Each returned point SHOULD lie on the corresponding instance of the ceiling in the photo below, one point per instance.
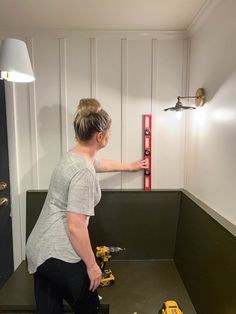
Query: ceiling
(99, 14)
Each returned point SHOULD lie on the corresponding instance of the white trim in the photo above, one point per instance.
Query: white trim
(214, 214)
(99, 34)
(124, 106)
(13, 149)
(154, 74)
(63, 96)
(185, 67)
(33, 122)
(153, 109)
(201, 16)
(93, 69)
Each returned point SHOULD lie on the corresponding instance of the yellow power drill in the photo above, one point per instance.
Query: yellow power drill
(170, 307)
(103, 255)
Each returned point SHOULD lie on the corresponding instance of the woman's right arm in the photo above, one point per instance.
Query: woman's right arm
(79, 237)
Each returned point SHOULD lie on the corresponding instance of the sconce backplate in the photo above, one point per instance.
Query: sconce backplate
(200, 100)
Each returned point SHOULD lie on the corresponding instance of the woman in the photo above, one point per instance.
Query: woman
(58, 250)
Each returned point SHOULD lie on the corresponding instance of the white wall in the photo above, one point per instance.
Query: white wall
(211, 131)
(131, 73)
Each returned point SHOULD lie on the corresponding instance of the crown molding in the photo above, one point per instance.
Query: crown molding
(206, 9)
(99, 34)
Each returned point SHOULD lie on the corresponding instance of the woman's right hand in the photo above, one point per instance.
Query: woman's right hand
(95, 276)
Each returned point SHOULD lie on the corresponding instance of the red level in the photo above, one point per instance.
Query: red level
(147, 133)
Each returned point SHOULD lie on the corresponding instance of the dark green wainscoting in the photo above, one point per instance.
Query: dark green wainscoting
(205, 257)
(144, 223)
(34, 204)
(165, 225)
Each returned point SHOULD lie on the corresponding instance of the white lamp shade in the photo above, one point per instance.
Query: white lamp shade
(15, 63)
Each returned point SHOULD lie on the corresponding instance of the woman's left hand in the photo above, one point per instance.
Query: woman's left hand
(139, 165)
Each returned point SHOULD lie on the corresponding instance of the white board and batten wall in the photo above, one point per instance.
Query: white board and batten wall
(130, 73)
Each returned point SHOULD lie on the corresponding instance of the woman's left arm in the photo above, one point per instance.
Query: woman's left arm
(105, 165)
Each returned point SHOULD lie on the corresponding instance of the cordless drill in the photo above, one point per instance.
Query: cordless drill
(103, 255)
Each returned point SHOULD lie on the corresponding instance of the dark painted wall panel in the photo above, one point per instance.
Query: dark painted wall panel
(144, 223)
(206, 259)
(34, 204)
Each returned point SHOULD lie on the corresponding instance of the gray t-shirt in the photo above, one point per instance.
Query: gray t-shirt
(74, 187)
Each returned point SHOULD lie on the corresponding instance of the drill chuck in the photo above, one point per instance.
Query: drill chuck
(114, 249)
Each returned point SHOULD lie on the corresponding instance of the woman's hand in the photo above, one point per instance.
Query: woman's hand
(139, 165)
(95, 276)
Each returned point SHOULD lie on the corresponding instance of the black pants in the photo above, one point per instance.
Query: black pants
(56, 280)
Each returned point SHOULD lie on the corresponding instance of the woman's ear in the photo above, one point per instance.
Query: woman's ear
(99, 137)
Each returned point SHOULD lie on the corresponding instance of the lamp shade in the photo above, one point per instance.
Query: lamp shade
(15, 63)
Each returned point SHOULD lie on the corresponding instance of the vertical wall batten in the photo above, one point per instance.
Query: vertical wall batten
(16, 140)
(19, 201)
(13, 147)
(93, 64)
(17, 169)
(63, 96)
(154, 74)
(33, 122)
(124, 103)
(154, 104)
(185, 67)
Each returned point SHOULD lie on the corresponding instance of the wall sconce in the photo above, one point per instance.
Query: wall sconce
(15, 65)
(179, 107)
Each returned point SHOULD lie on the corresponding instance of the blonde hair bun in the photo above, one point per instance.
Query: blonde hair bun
(88, 106)
(90, 118)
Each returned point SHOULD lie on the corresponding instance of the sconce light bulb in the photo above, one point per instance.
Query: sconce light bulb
(179, 115)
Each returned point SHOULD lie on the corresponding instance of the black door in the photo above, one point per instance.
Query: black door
(6, 247)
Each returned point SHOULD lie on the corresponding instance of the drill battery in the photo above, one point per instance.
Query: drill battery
(170, 307)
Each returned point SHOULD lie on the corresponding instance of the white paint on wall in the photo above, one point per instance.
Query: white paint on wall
(48, 106)
(211, 134)
(130, 73)
(78, 62)
(109, 94)
(138, 102)
(168, 139)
